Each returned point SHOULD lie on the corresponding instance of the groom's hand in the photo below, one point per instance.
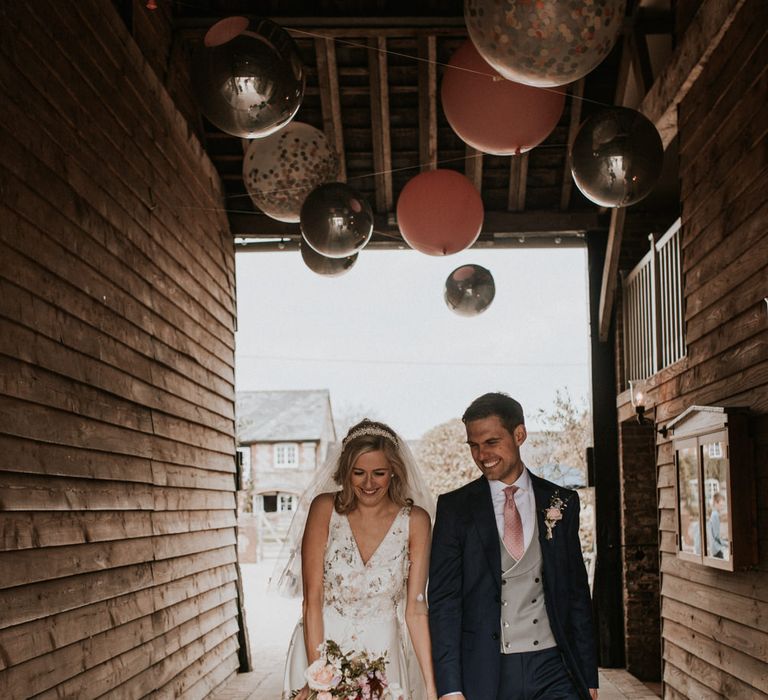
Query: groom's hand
(452, 696)
(593, 693)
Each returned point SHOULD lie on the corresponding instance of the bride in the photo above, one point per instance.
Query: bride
(364, 558)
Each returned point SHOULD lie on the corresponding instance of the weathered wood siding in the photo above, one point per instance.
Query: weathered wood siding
(117, 503)
(715, 623)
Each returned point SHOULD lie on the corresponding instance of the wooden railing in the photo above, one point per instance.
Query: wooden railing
(653, 308)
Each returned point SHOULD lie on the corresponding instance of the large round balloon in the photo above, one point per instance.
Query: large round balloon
(547, 42)
(279, 171)
(335, 220)
(439, 212)
(616, 157)
(469, 290)
(323, 265)
(248, 77)
(492, 114)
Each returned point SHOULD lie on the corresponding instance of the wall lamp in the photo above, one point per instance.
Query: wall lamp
(637, 396)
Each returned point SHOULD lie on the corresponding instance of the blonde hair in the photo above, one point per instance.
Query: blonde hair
(370, 436)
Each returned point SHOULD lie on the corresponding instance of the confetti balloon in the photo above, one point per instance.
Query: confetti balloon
(469, 290)
(279, 171)
(323, 265)
(335, 220)
(617, 157)
(248, 77)
(547, 42)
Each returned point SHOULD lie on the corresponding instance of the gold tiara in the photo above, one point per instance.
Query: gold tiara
(369, 430)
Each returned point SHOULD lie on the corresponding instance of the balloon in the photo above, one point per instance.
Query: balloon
(279, 171)
(492, 114)
(616, 157)
(335, 220)
(439, 212)
(469, 290)
(546, 42)
(248, 77)
(323, 265)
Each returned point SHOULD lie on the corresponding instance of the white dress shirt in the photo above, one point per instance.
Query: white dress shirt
(524, 500)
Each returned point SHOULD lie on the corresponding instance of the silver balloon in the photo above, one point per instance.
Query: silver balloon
(617, 157)
(248, 77)
(323, 265)
(469, 290)
(335, 220)
(547, 42)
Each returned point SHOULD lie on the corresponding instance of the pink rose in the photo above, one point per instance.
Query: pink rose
(322, 676)
(554, 514)
(324, 695)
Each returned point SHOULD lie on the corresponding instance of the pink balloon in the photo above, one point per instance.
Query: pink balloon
(439, 212)
(493, 114)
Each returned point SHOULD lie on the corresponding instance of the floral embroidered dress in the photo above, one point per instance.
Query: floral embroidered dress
(363, 605)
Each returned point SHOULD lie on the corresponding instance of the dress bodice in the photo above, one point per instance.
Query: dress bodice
(372, 590)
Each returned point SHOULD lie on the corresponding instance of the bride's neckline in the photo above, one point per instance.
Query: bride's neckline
(381, 541)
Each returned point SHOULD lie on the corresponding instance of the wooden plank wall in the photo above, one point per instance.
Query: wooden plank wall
(715, 623)
(117, 492)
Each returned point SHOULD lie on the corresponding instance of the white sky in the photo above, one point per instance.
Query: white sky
(384, 343)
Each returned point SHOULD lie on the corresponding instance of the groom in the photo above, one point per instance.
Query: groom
(509, 604)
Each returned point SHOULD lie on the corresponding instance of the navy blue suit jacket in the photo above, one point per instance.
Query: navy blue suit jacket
(465, 590)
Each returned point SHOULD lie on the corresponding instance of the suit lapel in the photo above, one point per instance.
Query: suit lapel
(542, 495)
(481, 507)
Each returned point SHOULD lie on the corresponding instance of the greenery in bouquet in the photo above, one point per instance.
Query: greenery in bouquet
(348, 676)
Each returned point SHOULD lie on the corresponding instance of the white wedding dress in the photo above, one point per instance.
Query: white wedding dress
(363, 605)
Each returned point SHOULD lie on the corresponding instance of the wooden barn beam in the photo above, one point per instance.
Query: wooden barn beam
(659, 104)
(495, 223)
(518, 176)
(641, 60)
(701, 38)
(577, 92)
(382, 143)
(330, 99)
(610, 271)
(428, 102)
(473, 167)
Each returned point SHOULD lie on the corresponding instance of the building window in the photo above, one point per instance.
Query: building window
(287, 503)
(270, 502)
(287, 455)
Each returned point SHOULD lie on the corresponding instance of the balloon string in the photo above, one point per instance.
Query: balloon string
(441, 161)
(494, 76)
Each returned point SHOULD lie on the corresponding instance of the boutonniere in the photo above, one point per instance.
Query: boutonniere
(554, 513)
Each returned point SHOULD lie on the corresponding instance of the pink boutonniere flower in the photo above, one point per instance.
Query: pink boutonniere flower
(554, 513)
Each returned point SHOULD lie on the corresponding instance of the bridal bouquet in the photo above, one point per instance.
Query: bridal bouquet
(348, 676)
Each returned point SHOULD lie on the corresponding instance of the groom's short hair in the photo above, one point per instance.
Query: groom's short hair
(496, 403)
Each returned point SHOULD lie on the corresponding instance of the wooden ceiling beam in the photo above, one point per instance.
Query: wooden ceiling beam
(577, 93)
(330, 99)
(610, 271)
(701, 38)
(518, 177)
(495, 223)
(428, 102)
(473, 167)
(382, 142)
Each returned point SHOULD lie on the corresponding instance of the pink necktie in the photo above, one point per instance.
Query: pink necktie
(513, 525)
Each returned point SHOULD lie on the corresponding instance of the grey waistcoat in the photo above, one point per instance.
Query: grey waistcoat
(524, 621)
